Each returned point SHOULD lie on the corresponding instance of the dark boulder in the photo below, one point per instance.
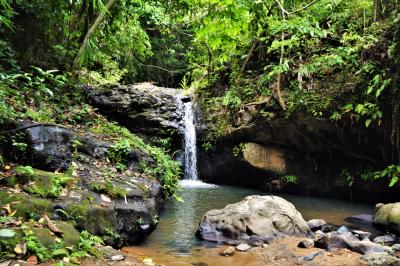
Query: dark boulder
(46, 147)
(142, 108)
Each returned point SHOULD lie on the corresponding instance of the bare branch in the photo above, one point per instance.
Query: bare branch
(295, 11)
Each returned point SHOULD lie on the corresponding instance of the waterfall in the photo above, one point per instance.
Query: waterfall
(189, 130)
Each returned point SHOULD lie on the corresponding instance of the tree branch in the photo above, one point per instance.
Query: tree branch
(161, 68)
(78, 59)
(295, 11)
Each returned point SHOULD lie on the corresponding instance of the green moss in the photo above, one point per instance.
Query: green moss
(109, 188)
(92, 217)
(26, 206)
(42, 183)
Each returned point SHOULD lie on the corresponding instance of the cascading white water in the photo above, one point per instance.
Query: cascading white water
(190, 142)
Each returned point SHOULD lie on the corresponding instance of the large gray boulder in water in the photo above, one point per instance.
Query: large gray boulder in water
(254, 219)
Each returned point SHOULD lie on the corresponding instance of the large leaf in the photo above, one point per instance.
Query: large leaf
(7, 233)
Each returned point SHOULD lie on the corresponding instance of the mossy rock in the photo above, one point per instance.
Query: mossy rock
(42, 183)
(26, 206)
(92, 217)
(388, 217)
(70, 235)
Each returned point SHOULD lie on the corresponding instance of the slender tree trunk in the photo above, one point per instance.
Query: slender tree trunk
(78, 59)
(248, 56)
(279, 81)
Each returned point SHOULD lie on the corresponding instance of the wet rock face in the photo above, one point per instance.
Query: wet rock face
(266, 217)
(49, 147)
(266, 158)
(143, 108)
(44, 146)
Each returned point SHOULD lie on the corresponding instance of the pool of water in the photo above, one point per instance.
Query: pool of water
(174, 241)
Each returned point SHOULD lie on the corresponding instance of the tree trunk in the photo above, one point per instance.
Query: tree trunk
(78, 59)
(279, 81)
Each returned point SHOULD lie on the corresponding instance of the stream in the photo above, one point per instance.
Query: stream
(174, 241)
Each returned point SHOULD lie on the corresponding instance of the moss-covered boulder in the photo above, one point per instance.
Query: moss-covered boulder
(387, 216)
(41, 235)
(42, 183)
(26, 206)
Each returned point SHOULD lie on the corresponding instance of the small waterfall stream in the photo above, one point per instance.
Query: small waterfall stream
(190, 142)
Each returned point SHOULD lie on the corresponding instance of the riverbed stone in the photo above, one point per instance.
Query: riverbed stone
(268, 217)
(230, 251)
(378, 259)
(342, 230)
(361, 234)
(331, 241)
(386, 240)
(311, 256)
(243, 247)
(395, 247)
(328, 228)
(318, 234)
(316, 224)
(363, 219)
(366, 247)
(387, 216)
(306, 243)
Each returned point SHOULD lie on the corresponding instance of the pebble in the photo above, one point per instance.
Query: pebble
(117, 257)
(386, 240)
(396, 247)
(228, 252)
(311, 256)
(243, 247)
(306, 243)
(342, 230)
(316, 224)
(361, 234)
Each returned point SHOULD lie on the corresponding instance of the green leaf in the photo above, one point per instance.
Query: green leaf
(393, 181)
(368, 122)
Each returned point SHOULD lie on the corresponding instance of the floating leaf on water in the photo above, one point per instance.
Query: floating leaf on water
(7, 233)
